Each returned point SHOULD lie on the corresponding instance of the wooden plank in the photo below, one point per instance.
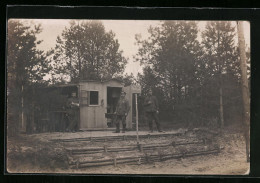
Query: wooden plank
(109, 138)
(140, 147)
(143, 159)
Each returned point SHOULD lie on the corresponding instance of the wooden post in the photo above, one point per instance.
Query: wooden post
(23, 126)
(139, 161)
(136, 116)
(140, 147)
(105, 148)
(77, 164)
(35, 154)
(115, 162)
(244, 86)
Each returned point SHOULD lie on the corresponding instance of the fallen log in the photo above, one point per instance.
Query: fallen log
(142, 159)
(93, 150)
(124, 137)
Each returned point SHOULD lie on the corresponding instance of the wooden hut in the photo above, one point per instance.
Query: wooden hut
(98, 101)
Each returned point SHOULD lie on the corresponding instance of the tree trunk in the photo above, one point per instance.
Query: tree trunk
(244, 87)
(79, 58)
(221, 115)
(23, 125)
(221, 106)
(33, 111)
(11, 112)
(80, 72)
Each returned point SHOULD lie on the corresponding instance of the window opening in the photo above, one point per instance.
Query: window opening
(93, 95)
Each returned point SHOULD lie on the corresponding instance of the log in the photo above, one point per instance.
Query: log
(110, 138)
(140, 147)
(143, 159)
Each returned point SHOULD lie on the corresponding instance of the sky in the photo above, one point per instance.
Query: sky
(125, 31)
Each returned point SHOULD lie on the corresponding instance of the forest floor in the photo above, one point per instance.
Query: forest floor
(39, 153)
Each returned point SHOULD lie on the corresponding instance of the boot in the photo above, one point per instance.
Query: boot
(117, 129)
(151, 127)
(158, 126)
(124, 128)
(159, 129)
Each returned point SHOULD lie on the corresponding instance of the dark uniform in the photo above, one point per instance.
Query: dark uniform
(151, 109)
(122, 110)
(73, 113)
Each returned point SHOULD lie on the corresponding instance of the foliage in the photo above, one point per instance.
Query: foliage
(24, 61)
(86, 51)
(186, 72)
(221, 67)
(127, 79)
(170, 54)
(26, 67)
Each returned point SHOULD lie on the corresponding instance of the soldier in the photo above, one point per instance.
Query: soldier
(73, 113)
(121, 112)
(151, 109)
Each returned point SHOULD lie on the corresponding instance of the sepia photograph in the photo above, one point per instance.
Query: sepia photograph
(142, 97)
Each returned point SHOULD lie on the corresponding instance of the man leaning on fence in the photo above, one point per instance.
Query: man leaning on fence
(151, 108)
(121, 112)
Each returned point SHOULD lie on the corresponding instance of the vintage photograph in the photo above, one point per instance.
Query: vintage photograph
(128, 97)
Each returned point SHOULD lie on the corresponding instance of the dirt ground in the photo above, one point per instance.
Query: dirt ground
(38, 154)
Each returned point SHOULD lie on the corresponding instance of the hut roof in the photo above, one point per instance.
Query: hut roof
(103, 81)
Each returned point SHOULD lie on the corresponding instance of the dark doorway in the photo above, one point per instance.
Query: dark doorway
(113, 94)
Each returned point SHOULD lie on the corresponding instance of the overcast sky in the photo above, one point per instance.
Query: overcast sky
(125, 31)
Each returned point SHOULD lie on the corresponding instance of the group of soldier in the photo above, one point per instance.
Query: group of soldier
(151, 109)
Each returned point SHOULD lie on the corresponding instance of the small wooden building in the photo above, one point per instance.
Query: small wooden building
(98, 101)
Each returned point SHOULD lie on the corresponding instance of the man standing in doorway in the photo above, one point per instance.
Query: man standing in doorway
(121, 112)
(151, 109)
(73, 112)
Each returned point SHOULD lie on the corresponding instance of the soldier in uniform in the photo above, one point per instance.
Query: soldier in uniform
(73, 113)
(121, 112)
(151, 109)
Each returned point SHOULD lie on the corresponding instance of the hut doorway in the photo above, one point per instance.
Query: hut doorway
(113, 95)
